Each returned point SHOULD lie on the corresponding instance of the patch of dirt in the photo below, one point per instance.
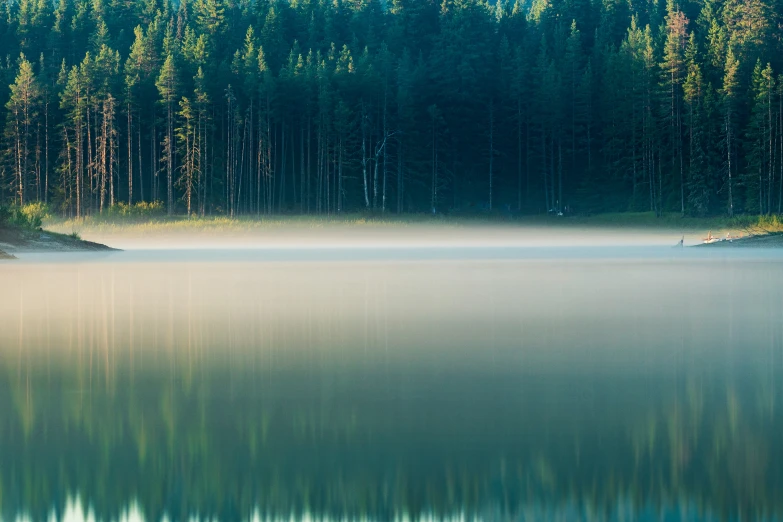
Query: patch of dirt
(14, 239)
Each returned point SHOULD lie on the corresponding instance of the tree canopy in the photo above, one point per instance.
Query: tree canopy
(305, 106)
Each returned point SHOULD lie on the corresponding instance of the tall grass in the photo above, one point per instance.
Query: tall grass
(151, 217)
(144, 217)
(757, 225)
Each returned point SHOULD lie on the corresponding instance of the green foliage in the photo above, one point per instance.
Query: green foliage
(324, 107)
(770, 224)
(30, 216)
(141, 210)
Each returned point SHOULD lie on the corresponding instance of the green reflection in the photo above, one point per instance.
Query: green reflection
(353, 399)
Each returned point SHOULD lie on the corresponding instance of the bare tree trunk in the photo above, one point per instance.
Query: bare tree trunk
(491, 147)
(79, 163)
(340, 176)
(250, 156)
(102, 151)
(434, 188)
(327, 176)
(68, 163)
(46, 150)
(375, 176)
(258, 173)
(728, 157)
(544, 168)
(780, 149)
(25, 152)
(559, 174)
(130, 155)
(385, 164)
(302, 171)
(682, 167)
(112, 159)
(141, 170)
(153, 160)
(283, 157)
(364, 158)
(292, 146)
(170, 159)
(241, 166)
(527, 161)
(519, 153)
(38, 162)
(400, 186)
(771, 168)
(319, 167)
(90, 160)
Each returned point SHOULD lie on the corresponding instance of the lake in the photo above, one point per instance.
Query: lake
(400, 384)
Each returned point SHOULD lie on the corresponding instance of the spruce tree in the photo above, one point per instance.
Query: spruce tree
(167, 89)
(21, 119)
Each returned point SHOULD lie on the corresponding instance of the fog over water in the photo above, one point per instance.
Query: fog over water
(476, 377)
(377, 235)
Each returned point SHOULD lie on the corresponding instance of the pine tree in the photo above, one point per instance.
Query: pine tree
(22, 107)
(573, 64)
(729, 94)
(167, 89)
(323, 106)
(693, 93)
(73, 100)
(759, 139)
(106, 69)
(188, 151)
(202, 126)
(672, 74)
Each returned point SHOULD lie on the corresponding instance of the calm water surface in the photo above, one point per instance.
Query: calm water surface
(499, 385)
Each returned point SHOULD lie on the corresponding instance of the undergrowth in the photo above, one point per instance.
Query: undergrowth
(142, 218)
(30, 216)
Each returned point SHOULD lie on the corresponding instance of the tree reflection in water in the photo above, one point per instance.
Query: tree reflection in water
(341, 392)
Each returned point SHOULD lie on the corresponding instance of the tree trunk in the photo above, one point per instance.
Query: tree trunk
(491, 147)
(46, 151)
(364, 159)
(400, 186)
(728, 158)
(340, 176)
(519, 153)
(130, 155)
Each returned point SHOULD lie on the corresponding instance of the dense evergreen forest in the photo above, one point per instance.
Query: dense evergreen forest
(454, 106)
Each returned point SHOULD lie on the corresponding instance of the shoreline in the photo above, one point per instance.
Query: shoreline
(764, 240)
(378, 231)
(15, 240)
(639, 229)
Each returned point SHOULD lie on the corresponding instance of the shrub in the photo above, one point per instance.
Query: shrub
(31, 215)
(137, 210)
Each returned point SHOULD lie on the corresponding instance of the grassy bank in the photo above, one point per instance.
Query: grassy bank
(21, 231)
(157, 222)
